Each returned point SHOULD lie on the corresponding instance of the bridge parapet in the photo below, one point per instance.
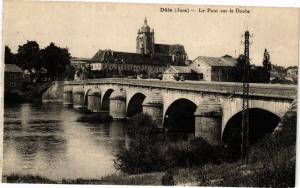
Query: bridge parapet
(279, 91)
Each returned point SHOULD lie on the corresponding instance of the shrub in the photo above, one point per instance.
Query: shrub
(276, 154)
(142, 125)
(142, 156)
(283, 176)
(147, 152)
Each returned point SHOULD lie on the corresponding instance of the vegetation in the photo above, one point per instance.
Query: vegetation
(271, 160)
(50, 62)
(122, 179)
(150, 152)
(194, 162)
(257, 74)
(17, 178)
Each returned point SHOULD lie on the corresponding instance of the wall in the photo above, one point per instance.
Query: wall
(203, 68)
(54, 93)
(13, 81)
(124, 70)
(223, 74)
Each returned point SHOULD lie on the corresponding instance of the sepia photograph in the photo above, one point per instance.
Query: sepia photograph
(149, 94)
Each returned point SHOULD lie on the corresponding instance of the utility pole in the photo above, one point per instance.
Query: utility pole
(245, 112)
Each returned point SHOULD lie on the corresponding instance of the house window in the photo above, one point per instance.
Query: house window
(12, 84)
(12, 76)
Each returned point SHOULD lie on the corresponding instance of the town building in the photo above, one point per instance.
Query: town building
(292, 71)
(221, 69)
(292, 74)
(13, 78)
(181, 73)
(149, 60)
(78, 62)
(154, 60)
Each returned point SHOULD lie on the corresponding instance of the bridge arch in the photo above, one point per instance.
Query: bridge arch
(261, 122)
(135, 104)
(86, 96)
(234, 106)
(105, 100)
(179, 116)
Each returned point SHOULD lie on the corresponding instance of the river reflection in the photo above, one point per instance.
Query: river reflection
(46, 140)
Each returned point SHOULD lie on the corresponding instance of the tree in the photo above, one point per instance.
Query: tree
(28, 56)
(55, 60)
(267, 66)
(9, 56)
(69, 73)
(239, 68)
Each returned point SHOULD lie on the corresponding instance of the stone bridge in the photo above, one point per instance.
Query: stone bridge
(210, 109)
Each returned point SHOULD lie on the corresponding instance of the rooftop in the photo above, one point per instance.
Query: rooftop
(169, 48)
(80, 59)
(130, 58)
(225, 61)
(179, 69)
(12, 68)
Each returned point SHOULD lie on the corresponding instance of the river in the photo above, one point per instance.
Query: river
(46, 140)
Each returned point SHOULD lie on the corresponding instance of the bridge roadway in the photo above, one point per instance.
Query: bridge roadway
(210, 109)
(279, 91)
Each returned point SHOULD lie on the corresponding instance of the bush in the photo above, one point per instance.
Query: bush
(193, 152)
(142, 125)
(143, 154)
(283, 176)
(147, 152)
(275, 154)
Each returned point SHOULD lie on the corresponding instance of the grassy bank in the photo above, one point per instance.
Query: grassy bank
(20, 178)
(226, 174)
(141, 179)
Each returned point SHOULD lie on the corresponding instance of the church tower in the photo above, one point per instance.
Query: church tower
(145, 40)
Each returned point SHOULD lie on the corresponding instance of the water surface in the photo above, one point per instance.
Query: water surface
(46, 140)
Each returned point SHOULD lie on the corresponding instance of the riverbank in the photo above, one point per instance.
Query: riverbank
(30, 93)
(226, 174)
(271, 164)
(141, 179)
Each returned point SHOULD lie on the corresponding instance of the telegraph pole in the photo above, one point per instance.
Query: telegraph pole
(245, 112)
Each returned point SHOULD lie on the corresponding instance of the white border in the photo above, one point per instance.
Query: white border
(262, 3)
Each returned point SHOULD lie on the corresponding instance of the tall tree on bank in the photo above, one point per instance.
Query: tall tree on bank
(267, 66)
(55, 60)
(28, 56)
(9, 57)
(239, 68)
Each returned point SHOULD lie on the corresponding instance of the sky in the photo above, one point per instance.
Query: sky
(84, 28)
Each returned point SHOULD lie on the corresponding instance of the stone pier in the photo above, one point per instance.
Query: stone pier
(153, 106)
(208, 121)
(78, 97)
(68, 96)
(94, 101)
(117, 104)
